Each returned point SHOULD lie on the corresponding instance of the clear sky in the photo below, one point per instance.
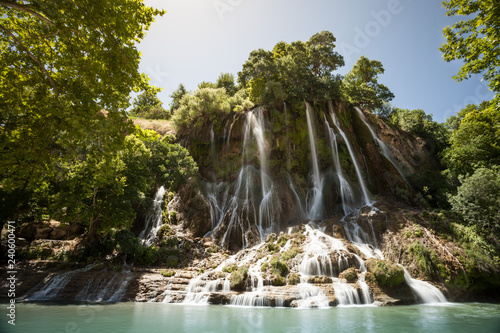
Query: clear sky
(196, 40)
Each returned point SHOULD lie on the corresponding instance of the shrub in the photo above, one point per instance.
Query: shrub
(478, 199)
(238, 278)
(278, 267)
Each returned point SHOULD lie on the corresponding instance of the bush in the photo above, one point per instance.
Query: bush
(238, 278)
(127, 242)
(478, 199)
(278, 267)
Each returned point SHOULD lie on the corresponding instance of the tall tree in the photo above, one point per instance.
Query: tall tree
(361, 86)
(63, 62)
(148, 105)
(475, 40)
(176, 96)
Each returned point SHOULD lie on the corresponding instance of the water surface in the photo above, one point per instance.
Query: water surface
(158, 317)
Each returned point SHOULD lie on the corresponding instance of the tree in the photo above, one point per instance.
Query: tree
(360, 86)
(475, 40)
(476, 142)
(226, 81)
(176, 96)
(477, 199)
(148, 105)
(297, 70)
(62, 63)
(204, 105)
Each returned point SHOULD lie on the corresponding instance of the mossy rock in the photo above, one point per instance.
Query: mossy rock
(386, 273)
(293, 279)
(278, 267)
(278, 281)
(271, 238)
(239, 278)
(349, 274)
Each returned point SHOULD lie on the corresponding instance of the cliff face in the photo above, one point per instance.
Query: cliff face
(272, 170)
(266, 170)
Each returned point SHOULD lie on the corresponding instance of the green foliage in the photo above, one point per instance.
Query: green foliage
(147, 105)
(423, 257)
(360, 86)
(238, 278)
(205, 105)
(476, 142)
(226, 81)
(176, 96)
(475, 39)
(478, 199)
(62, 64)
(297, 70)
(350, 275)
(273, 248)
(170, 164)
(290, 253)
(127, 242)
(278, 267)
(293, 279)
(167, 273)
(385, 272)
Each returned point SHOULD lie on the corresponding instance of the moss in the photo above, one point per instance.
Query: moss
(283, 239)
(230, 268)
(278, 267)
(349, 274)
(386, 273)
(290, 253)
(293, 279)
(167, 273)
(273, 248)
(238, 278)
(423, 257)
(164, 231)
(271, 238)
(278, 281)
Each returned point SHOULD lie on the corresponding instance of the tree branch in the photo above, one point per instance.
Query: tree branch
(32, 56)
(24, 8)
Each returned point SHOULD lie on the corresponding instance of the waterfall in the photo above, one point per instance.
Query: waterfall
(367, 201)
(425, 291)
(382, 146)
(153, 219)
(52, 288)
(315, 209)
(250, 201)
(346, 192)
(317, 261)
(105, 287)
(257, 295)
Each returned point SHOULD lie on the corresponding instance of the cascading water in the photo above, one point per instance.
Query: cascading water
(346, 191)
(153, 219)
(383, 147)
(315, 209)
(250, 201)
(361, 180)
(425, 291)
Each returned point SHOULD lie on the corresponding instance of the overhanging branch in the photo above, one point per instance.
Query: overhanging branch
(32, 56)
(24, 8)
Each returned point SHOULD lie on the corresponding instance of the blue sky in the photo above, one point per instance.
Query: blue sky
(196, 40)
